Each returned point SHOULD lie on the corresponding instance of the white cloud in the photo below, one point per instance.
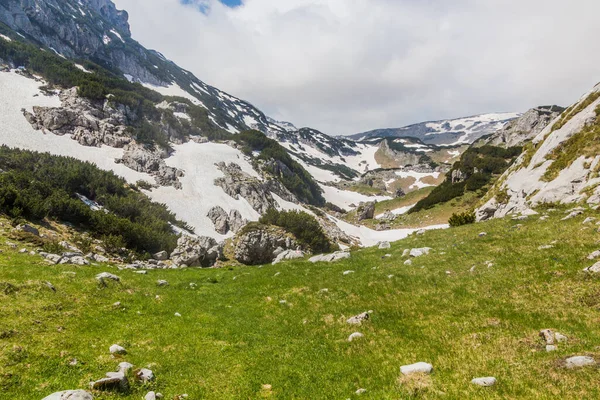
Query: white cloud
(345, 66)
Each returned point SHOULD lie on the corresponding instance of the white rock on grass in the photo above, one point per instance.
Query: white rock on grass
(545, 247)
(420, 367)
(153, 396)
(70, 395)
(551, 347)
(116, 349)
(408, 262)
(354, 336)
(124, 367)
(485, 381)
(107, 276)
(384, 245)
(572, 215)
(162, 282)
(145, 375)
(347, 272)
(358, 319)
(560, 338)
(406, 252)
(547, 335)
(482, 234)
(338, 255)
(588, 220)
(579, 361)
(288, 255)
(419, 251)
(594, 269)
(593, 255)
(361, 391)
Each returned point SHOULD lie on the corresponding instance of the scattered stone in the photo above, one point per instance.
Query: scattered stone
(408, 262)
(588, 220)
(594, 269)
(387, 255)
(579, 361)
(113, 381)
(361, 391)
(420, 367)
(358, 319)
(142, 272)
(288, 255)
(572, 214)
(547, 335)
(347, 272)
(390, 276)
(50, 286)
(551, 347)
(384, 245)
(117, 304)
(150, 396)
(419, 252)
(101, 277)
(338, 255)
(23, 251)
(485, 382)
(472, 269)
(177, 314)
(70, 395)
(324, 290)
(28, 228)
(593, 255)
(366, 211)
(116, 349)
(161, 256)
(421, 232)
(144, 375)
(545, 247)
(162, 282)
(482, 234)
(560, 338)
(354, 336)
(99, 258)
(448, 272)
(277, 273)
(73, 362)
(406, 253)
(124, 367)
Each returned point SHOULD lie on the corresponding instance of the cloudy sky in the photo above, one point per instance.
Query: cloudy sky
(346, 66)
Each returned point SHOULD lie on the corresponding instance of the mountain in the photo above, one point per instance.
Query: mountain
(446, 132)
(559, 166)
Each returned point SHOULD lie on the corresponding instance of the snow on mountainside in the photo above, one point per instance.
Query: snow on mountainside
(93, 30)
(446, 132)
(560, 165)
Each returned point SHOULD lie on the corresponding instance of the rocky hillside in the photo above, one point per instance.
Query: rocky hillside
(560, 165)
(446, 132)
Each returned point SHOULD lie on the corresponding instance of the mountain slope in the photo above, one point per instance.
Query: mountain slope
(446, 132)
(560, 165)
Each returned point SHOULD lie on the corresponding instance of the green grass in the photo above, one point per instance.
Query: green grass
(234, 335)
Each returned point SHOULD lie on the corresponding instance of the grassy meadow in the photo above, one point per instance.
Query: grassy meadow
(274, 332)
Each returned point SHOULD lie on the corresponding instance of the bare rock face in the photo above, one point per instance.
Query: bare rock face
(143, 159)
(260, 245)
(366, 210)
(196, 252)
(226, 222)
(70, 395)
(526, 127)
(236, 183)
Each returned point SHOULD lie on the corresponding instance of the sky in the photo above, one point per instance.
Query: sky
(348, 66)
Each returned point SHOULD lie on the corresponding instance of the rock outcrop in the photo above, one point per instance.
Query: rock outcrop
(224, 222)
(236, 183)
(143, 159)
(535, 179)
(259, 244)
(196, 252)
(366, 210)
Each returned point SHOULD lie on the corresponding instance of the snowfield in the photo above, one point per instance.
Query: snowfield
(199, 193)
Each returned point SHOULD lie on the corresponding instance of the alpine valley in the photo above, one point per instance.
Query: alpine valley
(116, 159)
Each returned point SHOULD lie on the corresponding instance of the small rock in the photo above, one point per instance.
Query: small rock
(420, 367)
(572, 214)
(29, 229)
(107, 276)
(117, 304)
(482, 234)
(406, 252)
(361, 391)
(593, 255)
(579, 361)
(547, 335)
(145, 375)
(116, 349)
(354, 336)
(124, 367)
(560, 338)
(419, 252)
(113, 381)
(551, 347)
(588, 220)
(545, 247)
(50, 286)
(70, 395)
(162, 282)
(384, 245)
(594, 269)
(142, 272)
(408, 262)
(150, 396)
(347, 272)
(420, 232)
(161, 256)
(177, 314)
(358, 319)
(23, 251)
(485, 382)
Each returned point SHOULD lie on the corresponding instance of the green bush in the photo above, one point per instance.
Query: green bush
(465, 218)
(303, 226)
(291, 174)
(38, 185)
